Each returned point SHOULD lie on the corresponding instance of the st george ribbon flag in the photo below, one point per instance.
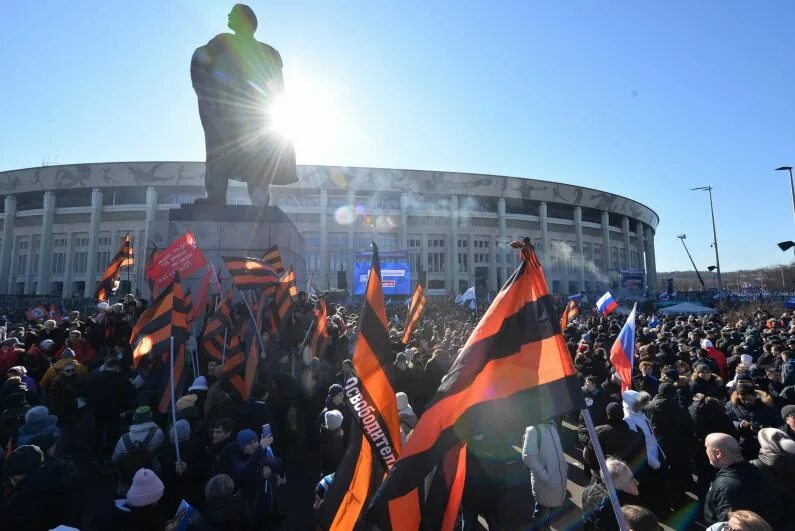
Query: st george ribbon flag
(514, 370)
(622, 353)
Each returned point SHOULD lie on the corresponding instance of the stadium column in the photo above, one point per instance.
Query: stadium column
(502, 248)
(471, 261)
(351, 250)
(452, 274)
(627, 262)
(578, 239)
(542, 221)
(651, 265)
(323, 281)
(93, 242)
(607, 262)
(66, 291)
(142, 251)
(641, 250)
(8, 243)
(45, 246)
(404, 221)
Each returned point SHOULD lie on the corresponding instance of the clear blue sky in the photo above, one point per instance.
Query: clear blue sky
(645, 99)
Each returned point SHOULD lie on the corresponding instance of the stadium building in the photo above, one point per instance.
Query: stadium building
(61, 225)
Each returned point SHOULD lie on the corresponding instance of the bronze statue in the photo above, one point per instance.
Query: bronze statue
(236, 78)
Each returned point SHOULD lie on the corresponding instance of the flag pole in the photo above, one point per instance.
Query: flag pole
(223, 352)
(173, 399)
(256, 326)
(600, 456)
(196, 372)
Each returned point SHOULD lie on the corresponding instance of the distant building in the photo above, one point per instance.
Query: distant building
(61, 224)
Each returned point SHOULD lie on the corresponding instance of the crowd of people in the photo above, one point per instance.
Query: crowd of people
(706, 429)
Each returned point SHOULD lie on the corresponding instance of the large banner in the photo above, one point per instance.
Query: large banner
(182, 255)
(632, 280)
(395, 272)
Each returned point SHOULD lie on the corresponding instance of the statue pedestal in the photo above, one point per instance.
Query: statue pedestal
(234, 230)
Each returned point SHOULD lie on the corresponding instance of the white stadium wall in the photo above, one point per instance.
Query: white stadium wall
(62, 223)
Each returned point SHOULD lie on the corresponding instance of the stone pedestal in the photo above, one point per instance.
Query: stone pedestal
(234, 230)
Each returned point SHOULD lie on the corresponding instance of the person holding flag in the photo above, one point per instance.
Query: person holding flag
(622, 353)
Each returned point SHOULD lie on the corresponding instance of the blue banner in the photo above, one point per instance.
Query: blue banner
(395, 272)
(632, 280)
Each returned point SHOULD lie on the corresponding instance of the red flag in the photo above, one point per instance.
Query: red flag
(183, 256)
(201, 297)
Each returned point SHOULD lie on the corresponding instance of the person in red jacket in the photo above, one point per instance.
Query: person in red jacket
(10, 354)
(718, 357)
(84, 351)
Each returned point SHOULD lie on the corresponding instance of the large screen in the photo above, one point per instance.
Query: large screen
(395, 272)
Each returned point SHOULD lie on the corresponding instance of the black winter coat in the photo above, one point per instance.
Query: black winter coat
(223, 513)
(597, 512)
(738, 486)
(779, 472)
(673, 428)
(619, 441)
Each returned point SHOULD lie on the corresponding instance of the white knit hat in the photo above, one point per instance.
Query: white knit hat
(146, 489)
(746, 358)
(333, 419)
(402, 400)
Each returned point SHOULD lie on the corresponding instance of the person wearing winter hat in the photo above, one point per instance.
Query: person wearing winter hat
(334, 401)
(224, 507)
(199, 384)
(38, 421)
(406, 416)
(332, 441)
(776, 461)
(21, 372)
(140, 508)
(143, 432)
(21, 462)
(253, 462)
(67, 358)
(183, 477)
(788, 414)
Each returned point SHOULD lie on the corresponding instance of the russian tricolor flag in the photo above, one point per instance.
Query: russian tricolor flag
(622, 353)
(606, 304)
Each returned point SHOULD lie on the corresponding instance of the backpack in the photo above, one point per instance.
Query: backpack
(137, 455)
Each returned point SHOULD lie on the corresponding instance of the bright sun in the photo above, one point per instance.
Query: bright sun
(304, 114)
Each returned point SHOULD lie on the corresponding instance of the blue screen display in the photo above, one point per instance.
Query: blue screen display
(395, 272)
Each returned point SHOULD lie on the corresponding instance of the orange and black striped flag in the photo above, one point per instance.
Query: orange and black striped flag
(319, 339)
(221, 318)
(212, 348)
(415, 312)
(187, 304)
(444, 490)
(252, 345)
(174, 378)
(375, 444)
(284, 298)
(150, 337)
(251, 273)
(150, 260)
(110, 278)
(234, 370)
(514, 370)
(572, 310)
(273, 258)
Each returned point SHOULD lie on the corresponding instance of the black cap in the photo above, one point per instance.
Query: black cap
(615, 411)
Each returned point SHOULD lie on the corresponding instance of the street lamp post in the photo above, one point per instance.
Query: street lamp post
(791, 185)
(708, 189)
(682, 238)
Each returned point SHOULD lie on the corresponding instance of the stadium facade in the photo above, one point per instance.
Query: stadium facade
(61, 224)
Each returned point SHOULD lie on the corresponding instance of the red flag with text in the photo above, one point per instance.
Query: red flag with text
(183, 256)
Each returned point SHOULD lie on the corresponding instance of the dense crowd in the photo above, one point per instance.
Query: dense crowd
(706, 431)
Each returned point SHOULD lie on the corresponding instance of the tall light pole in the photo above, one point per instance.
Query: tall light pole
(708, 189)
(682, 238)
(791, 185)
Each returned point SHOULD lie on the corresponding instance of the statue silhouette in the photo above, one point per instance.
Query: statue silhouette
(236, 78)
